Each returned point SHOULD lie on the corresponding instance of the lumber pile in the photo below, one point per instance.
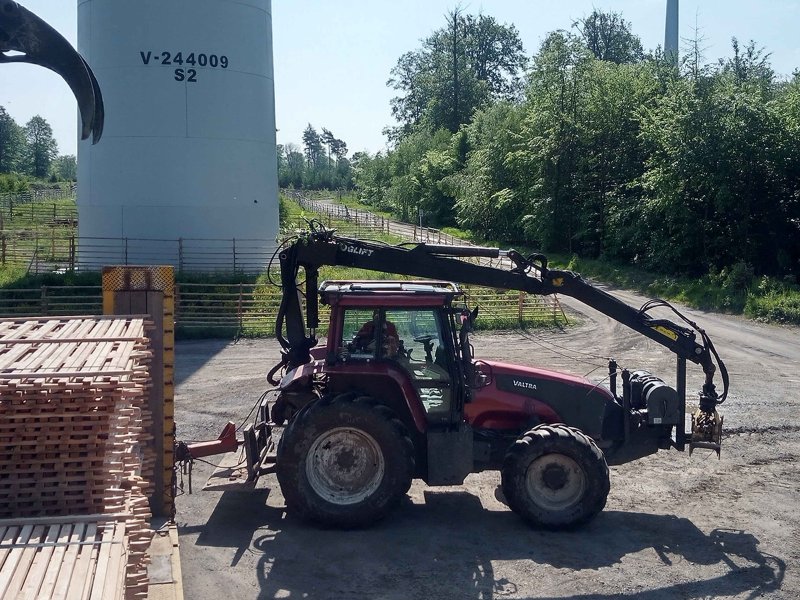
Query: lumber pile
(79, 558)
(73, 427)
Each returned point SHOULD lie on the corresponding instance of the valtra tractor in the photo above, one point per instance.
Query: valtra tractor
(396, 392)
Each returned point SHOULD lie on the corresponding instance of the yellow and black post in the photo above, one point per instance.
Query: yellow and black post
(150, 290)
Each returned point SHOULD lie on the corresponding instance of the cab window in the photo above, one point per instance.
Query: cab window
(358, 333)
(422, 354)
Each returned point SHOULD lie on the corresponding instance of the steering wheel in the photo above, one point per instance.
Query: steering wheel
(427, 342)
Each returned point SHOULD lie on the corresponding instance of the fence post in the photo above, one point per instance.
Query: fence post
(520, 306)
(44, 300)
(180, 254)
(3, 246)
(234, 255)
(72, 252)
(36, 253)
(241, 317)
(177, 308)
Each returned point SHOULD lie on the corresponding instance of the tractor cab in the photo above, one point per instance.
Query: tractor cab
(408, 330)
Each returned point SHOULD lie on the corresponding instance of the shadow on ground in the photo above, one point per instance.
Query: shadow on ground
(192, 355)
(446, 549)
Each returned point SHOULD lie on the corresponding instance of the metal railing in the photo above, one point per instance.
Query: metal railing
(51, 301)
(249, 308)
(57, 250)
(38, 195)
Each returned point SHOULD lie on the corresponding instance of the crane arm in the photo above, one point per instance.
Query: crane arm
(25, 38)
(528, 274)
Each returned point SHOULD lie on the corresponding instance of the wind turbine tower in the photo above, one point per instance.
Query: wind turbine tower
(671, 31)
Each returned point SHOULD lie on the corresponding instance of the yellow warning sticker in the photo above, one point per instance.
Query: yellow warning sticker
(667, 332)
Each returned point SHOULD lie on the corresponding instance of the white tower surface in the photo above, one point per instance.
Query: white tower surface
(671, 31)
(188, 151)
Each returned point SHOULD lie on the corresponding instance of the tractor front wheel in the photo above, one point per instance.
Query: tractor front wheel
(555, 477)
(344, 461)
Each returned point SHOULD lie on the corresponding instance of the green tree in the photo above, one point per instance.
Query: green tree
(713, 176)
(551, 134)
(461, 67)
(488, 200)
(41, 149)
(11, 143)
(312, 144)
(295, 166)
(65, 167)
(609, 37)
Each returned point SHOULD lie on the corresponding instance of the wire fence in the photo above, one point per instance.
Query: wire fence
(250, 309)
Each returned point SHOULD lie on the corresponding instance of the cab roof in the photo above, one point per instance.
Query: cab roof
(380, 288)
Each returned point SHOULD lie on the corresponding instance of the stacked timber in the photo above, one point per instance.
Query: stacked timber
(73, 429)
(63, 558)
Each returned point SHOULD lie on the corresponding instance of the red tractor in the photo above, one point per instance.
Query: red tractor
(396, 393)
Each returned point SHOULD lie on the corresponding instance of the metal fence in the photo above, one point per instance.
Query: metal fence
(250, 309)
(59, 250)
(38, 195)
(51, 245)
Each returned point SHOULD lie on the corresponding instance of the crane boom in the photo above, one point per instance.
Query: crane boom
(320, 247)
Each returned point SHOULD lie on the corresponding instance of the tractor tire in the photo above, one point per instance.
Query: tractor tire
(555, 477)
(344, 461)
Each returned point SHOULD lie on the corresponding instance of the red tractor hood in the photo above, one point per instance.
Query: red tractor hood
(515, 395)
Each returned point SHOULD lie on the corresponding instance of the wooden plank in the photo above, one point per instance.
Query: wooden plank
(65, 573)
(98, 584)
(56, 560)
(10, 565)
(121, 338)
(160, 500)
(65, 519)
(85, 567)
(130, 317)
(41, 562)
(115, 372)
(8, 536)
(115, 581)
(24, 564)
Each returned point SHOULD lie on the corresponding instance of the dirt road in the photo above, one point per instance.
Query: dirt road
(674, 526)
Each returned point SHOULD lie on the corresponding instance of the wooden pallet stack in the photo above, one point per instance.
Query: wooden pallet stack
(74, 423)
(63, 559)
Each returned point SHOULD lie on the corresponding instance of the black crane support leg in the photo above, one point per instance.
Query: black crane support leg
(680, 428)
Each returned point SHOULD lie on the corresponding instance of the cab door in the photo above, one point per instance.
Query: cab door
(421, 350)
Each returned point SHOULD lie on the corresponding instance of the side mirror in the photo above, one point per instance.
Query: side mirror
(482, 375)
(468, 318)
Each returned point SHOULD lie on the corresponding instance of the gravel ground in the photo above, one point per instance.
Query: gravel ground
(674, 526)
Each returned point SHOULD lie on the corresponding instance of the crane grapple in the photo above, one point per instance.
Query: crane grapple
(25, 38)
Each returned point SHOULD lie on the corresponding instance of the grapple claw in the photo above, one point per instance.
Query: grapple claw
(706, 431)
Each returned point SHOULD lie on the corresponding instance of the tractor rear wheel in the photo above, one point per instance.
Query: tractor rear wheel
(555, 477)
(344, 461)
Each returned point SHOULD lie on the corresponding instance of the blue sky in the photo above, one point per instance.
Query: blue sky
(332, 59)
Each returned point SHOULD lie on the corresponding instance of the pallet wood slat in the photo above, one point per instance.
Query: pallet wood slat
(74, 432)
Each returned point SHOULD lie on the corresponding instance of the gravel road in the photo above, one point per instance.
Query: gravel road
(674, 527)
